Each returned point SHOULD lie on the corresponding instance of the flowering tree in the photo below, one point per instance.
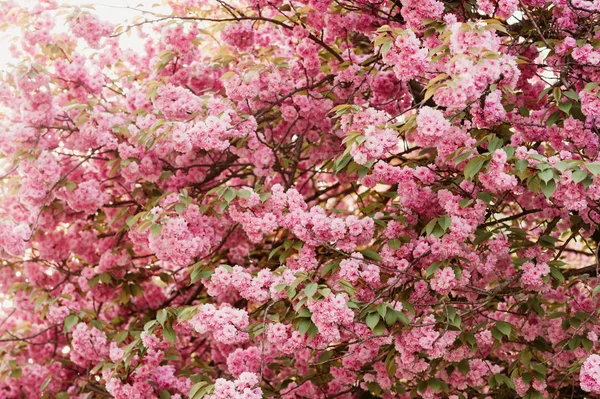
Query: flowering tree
(302, 199)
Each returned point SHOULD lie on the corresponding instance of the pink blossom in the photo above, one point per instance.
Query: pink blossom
(589, 375)
(431, 122)
(90, 28)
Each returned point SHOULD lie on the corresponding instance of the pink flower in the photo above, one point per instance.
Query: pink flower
(444, 280)
(12, 237)
(88, 346)
(589, 374)
(88, 197)
(239, 35)
(90, 28)
(176, 102)
(407, 56)
(431, 122)
(533, 273)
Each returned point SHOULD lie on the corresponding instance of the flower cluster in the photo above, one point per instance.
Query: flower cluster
(589, 376)
(89, 27)
(227, 325)
(243, 387)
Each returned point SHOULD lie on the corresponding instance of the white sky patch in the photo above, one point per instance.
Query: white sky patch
(116, 12)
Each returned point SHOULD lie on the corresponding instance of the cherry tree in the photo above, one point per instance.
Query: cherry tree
(301, 199)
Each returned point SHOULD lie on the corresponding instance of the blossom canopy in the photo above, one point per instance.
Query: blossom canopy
(301, 199)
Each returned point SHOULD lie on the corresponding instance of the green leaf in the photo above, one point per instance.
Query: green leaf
(555, 272)
(464, 367)
(553, 118)
(548, 241)
(390, 364)
(243, 193)
(169, 333)
(444, 222)
(451, 312)
(544, 92)
(435, 384)
(120, 336)
(432, 269)
(587, 344)
(98, 324)
(290, 292)
(532, 394)
(565, 106)
(594, 168)
(540, 368)
(579, 175)
(379, 328)
(198, 273)
(481, 236)
(422, 386)
(155, 229)
(561, 166)
(325, 356)
(70, 321)
(402, 317)
(229, 195)
(274, 251)
(105, 278)
(394, 244)
(379, 40)
(371, 254)
(161, 316)
(311, 289)
(385, 48)
(40, 300)
(331, 267)
(303, 326)
(372, 320)
(457, 272)
(195, 390)
(504, 327)
(494, 143)
(557, 93)
(16, 372)
(391, 317)
(524, 111)
(265, 196)
(461, 158)
(485, 197)
(572, 95)
(521, 166)
(312, 331)
(131, 220)
(428, 229)
(548, 188)
(148, 326)
(45, 384)
(473, 167)
(590, 86)
(546, 175)
(342, 162)
(465, 202)
(525, 357)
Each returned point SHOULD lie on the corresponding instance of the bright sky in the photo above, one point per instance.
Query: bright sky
(114, 11)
